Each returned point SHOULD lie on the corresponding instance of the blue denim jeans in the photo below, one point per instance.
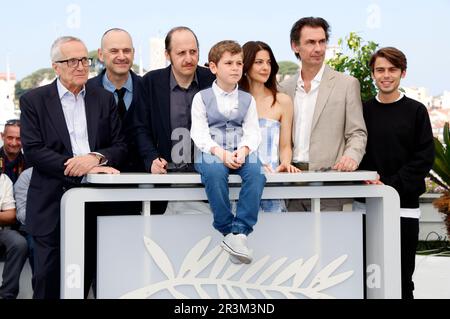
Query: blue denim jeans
(214, 176)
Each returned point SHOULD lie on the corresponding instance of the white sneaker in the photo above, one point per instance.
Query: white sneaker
(236, 246)
(235, 260)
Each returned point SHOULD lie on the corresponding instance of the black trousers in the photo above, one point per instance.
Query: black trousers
(47, 265)
(409, 232)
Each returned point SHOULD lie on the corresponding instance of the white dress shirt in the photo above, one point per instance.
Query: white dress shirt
(304, 106)
(226, 102)
(75, 115)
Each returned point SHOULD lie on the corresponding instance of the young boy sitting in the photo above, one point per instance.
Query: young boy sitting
(225, 129)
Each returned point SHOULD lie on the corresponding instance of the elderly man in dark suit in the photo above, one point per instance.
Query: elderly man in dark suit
(162, 125)
(68, 131)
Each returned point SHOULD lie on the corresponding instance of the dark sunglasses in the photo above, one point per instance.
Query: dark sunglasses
(13, 122)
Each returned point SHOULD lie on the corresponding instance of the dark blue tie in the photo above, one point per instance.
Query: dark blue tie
(121, 103)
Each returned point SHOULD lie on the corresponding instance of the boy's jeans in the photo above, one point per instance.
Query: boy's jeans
(214, 176)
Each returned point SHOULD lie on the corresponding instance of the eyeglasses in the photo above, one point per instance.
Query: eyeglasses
(73, 63)
(13, 122)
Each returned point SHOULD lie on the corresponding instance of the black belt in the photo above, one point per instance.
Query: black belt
(304, 166)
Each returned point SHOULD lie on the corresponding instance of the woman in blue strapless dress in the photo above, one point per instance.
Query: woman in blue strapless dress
(275, 111)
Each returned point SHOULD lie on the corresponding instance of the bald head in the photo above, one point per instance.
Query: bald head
(111, 34)
(116, 52)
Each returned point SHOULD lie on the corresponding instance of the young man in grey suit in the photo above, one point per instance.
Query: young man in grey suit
(328, 129)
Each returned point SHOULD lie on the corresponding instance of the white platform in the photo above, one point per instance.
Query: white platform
(194, 178)
(431, 278)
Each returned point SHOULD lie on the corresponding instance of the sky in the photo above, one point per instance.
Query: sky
(419, 28)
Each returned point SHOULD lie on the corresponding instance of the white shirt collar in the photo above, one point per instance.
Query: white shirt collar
(219, 91)
(318, 76)
(62, 90)
(399, 98)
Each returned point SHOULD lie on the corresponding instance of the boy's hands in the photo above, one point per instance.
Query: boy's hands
(241, 154)
(231, 160)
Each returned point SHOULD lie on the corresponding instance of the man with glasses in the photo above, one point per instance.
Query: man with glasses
(68, 131)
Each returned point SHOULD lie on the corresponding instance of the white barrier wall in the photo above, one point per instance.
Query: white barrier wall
(382, 237)
(296, 255)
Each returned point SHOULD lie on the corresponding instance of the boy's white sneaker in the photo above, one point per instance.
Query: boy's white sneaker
(235, 260)
(236, 245)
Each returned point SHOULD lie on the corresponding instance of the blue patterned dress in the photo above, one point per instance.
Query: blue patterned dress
(268, 153)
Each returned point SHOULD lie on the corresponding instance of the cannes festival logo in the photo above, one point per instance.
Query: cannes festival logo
(259, 279)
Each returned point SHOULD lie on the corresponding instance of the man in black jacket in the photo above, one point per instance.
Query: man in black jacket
(400, 148)
(68, 131)
(161, 126)
(117, 55)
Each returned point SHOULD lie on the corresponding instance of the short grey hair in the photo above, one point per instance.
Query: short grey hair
(55, 52)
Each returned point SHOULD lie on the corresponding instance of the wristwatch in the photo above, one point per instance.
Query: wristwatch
(99, 157)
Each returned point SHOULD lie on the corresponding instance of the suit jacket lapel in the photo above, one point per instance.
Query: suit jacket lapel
(92, 116)
(56, 115)
(325, 88)
(163, 99)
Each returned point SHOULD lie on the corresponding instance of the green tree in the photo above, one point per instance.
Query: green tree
(287, 68)
(33, 81)
(356, 62)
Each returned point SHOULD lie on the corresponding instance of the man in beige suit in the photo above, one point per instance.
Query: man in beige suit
(329, 130)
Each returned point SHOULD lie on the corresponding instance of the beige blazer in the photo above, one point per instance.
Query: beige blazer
(338, 126)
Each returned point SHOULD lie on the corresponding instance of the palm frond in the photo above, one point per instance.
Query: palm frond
(240, 281)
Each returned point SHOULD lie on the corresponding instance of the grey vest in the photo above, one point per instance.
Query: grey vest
(226, 131)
